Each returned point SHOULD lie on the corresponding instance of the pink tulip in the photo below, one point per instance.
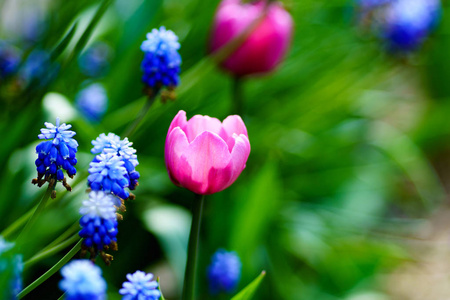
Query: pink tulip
(267, 44)
(205, 155)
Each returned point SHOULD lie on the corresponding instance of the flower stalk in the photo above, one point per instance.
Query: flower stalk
(141, 115)
(26, 230)
(51, 271)
(191, 265)
(238, 99)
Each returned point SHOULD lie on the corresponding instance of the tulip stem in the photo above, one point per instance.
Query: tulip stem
(238, 99)
(191, 265)
(140, 116)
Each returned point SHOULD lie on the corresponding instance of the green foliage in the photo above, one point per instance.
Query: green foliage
(349, 152)
(248, 292)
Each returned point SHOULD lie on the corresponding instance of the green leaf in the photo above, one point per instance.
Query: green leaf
(64, 42)
(248, 292)
(159, 288)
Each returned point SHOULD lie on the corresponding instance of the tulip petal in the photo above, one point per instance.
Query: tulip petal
(208, 161)
(176, 144)
(232, 124)
(239, 155)
(178, 121)
(198, 124)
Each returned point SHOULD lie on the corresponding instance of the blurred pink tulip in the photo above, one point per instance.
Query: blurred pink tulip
(267, 44)
(205, 155)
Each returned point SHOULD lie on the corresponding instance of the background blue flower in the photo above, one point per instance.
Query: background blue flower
(11, 268)
(92, 102)
(224, 272)
(82, 280)
(140, 286)
(95, 61)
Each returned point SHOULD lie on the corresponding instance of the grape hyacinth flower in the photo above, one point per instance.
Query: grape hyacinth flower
(140, 286)
(9, 59)
(161, 63)
(107, 173)
(99, 224)
(82, 280)
(266, 45)
(224, 272)
(94, 62)
(38, 67)
(403, 25)
(11, 268)
(56, 154)
(112, 143)
(205, 155)
(92, 102)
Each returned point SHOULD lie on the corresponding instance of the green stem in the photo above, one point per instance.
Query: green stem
(26, 230)
(238, 99)
(191, 265)
(134, 126)
(62, 296)
(48, 252)
(52, 271)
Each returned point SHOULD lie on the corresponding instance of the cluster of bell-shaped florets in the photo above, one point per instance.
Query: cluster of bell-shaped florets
(140, 285)
(55, 154)
(114, 168)
(99, 224)
(161, 63)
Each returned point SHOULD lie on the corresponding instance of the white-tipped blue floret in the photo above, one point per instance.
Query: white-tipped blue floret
(140, 285)
(123, 148)
(58, 132)
(160, 41)
(104, 141)
(82, 279)
(99, 204)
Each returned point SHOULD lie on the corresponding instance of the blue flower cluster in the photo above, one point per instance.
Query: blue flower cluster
(408, 23)
(11, 268)
(99, 222)
(82, 280)
(402, 24)
(55, 154)
(92, 102)
(114, 169)
(161, 64)
(38, 67)
(224, 272)
(9, 59)
(94, 62)
(140, 286)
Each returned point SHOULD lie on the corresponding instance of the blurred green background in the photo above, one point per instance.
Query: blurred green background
(344, 194)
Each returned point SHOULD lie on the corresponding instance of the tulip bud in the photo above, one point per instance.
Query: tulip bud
(205, 155)
(265, 46)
